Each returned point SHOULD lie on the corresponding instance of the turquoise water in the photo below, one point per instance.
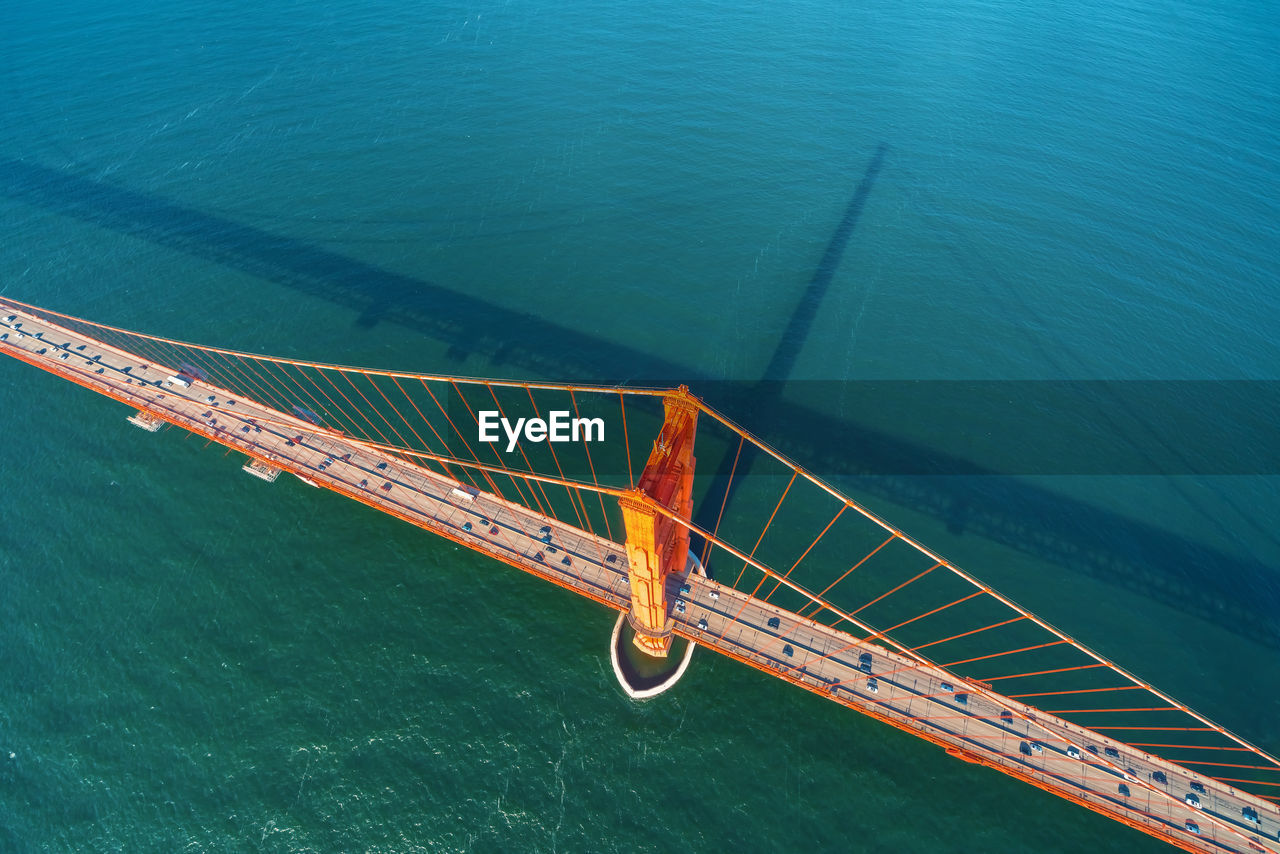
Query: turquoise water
(196, 661)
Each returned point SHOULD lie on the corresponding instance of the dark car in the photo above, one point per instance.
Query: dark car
(1159, 777)
(1112, 752)
(864, 662)
(774, 622)
(1197, 787)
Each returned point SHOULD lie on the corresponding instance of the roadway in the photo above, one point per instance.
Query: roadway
(971, 720)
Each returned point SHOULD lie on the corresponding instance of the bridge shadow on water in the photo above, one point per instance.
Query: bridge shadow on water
(1225, 589)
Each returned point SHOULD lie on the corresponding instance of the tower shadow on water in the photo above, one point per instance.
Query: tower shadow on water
(764, 398)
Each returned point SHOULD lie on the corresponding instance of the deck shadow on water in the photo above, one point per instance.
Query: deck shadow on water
(1213, 585)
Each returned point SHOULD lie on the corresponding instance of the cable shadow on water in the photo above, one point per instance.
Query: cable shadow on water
(1019, 515)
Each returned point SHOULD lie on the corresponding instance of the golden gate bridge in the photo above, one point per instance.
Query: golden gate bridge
(801, 581)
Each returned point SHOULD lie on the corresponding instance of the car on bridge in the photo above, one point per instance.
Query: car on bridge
(864, 662)
(1192, 800)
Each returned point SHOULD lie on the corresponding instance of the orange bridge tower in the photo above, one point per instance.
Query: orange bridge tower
(656, 545)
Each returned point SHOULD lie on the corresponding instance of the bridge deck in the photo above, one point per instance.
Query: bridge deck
(965, 718)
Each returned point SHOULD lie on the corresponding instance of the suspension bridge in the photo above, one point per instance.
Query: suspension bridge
(595, 489)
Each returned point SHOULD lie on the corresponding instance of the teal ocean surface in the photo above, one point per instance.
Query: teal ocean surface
(191, 660)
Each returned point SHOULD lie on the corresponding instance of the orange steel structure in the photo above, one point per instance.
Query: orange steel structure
(823, 594)
(656, 546)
